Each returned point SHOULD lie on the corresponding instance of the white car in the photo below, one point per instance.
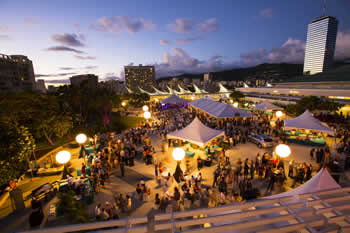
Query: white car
(262, 140)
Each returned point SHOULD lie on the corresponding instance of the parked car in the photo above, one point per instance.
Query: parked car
(261, 140)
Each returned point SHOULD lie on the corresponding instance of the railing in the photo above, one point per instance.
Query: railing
(326, 210)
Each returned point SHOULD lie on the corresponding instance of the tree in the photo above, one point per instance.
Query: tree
(16, 147)
(236, 95)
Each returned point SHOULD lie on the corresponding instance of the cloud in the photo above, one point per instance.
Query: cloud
(209, 25)
(266, 13)
(186, 40)
(187, 25)
(54, 75)
(4, 28)
(164, 42)
(4, 37)
(181, 62)
(342, 50)
(67, 39)
(57, 81)
(85, 58)
(110, 76)
(183, 25)
(66, 68)
(122, 23)
(63, 49)
(90, 67)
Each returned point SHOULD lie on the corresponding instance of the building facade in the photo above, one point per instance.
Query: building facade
(16, 73)
(140, 77)
(89, 80)
(320, 45)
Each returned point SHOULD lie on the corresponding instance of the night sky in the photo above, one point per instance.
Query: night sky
(65, 38)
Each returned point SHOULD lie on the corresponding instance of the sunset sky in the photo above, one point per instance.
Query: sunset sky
(64, 38)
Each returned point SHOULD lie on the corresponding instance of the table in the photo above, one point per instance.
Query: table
(190, 153)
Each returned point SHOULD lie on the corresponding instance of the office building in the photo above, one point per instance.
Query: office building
(84, 80)
(208, 77)
(16, 73)
(320, 44)
(140, 76)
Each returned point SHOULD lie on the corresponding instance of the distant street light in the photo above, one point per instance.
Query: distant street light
(147, 115)
(156, 100)
(178, 154)
(145, 108)
(246, 104)
(63, 157)
(192, 97)
(235, 105)
(81, 138)
(279, 114)
(283, 150)
(231, 101)
(123, 104)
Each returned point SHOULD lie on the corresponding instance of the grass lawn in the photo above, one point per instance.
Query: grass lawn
(131, 121)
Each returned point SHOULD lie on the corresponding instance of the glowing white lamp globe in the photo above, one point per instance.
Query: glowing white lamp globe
(283, 150)
(156, 100)
(81, 138)
(279, 114)
(123, 104)
(178, 154)
(63, 157)
(145, 108)
(235, 105)
(231, 101)
(246, 104)
(147, 115)
(192, 97)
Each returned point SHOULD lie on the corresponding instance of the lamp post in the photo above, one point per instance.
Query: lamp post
(81, 139)
(283, 150)
(235, 105)
(147, 115)
(279, 114)
(145, 108)
(123, 104)
(178, 155)
(63, 157)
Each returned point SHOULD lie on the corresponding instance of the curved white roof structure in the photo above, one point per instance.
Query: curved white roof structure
(307, 121)
(173, 99)
(219, 110)
(197, 133)
(320, 182)
(198, 91)
(160, 92)
(223, 89)
(267, 106)
(183, 91)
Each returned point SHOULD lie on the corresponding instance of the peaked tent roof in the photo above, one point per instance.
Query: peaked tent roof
(307, 121)
(196, 132)
(173, 99)
(266, 106)
(320, 182)
(219, 110)
(223, 89)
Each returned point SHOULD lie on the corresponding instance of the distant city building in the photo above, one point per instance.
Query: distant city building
(116, 86)
(40, 86)
(208, 77)
(16, 73)
(89, 80)
(320, 44)
(196, 81)
(140, 76)
(51, 89)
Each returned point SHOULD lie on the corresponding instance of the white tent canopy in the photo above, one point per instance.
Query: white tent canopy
(320, 182)
(267, 106)
(173, 99)
(307, 122)
(197, 133)
(218, 110)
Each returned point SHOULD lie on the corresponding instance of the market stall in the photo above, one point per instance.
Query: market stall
(305, 129)
(267, 106)
(173, 101)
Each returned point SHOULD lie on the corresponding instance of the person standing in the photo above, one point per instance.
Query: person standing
(122, 165)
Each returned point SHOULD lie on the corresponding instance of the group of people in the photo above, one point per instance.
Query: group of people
(114, 210)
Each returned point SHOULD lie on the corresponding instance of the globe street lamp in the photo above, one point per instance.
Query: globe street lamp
(231, 101)
(178, 155)
(279, 114)
(63, 157)
(283, 150)
(123, 104)
(147, 115)
(81, 138)
(156, 100)
(235, 105)
(145, 108)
